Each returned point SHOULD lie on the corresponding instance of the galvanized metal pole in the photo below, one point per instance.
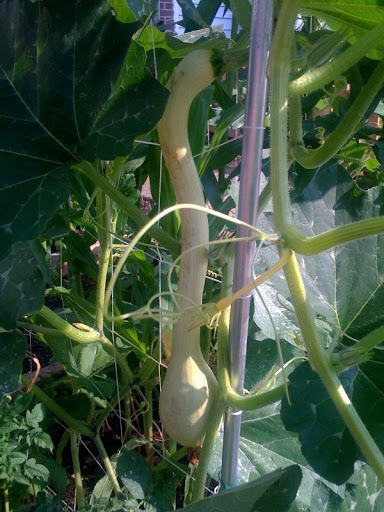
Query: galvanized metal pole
(261, 27)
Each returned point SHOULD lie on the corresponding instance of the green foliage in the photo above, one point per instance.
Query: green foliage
(19, 276)
(276, 489)
(12, 352)
(73, 93)
(85, 83)
(24, 466)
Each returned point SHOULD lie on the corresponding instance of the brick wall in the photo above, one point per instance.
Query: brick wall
(166, 11)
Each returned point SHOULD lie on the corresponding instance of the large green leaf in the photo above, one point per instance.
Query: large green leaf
(326, 442)
(345, 288)
(21, 286)
(72, 85)
(207, 9)
(135, 473)
(191, 13)
(265, 445)
(242, 9)
(13, 347)
(122, 11)
(134, 107)
(273, 491)
(365, 13)
(333, 277)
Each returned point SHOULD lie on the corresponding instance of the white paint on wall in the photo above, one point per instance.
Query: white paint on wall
(223, 18)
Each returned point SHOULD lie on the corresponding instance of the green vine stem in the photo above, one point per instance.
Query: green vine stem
(85, 337)
(6, 499)
(127, 206)
(358, 353)
(317, 78)
(321, 362)
(148, 424)
(39, 328)
(348, 125)
(216, 414)
(309, 245)
(123, 392)
(61, 445)
(107, 464)
(69, 330)
(81, 503)
(62, 414)
(319, 359)
(279, 69)
(231, 397)
(104, 235)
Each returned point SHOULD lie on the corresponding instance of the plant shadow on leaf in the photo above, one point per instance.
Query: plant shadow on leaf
(274, 491)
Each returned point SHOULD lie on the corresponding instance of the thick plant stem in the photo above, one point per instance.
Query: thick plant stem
(6, 499)
(216, 415)
(39, 328)
(148, 425)
(65, 328)
(104, 233)
(86, 337)
(279, 69)
(107, 464)
(279, 72)
(319, 77)
(74, 424)
(344, 131)
(126, 372)
(321, 362)
(128, 206)
(309, 245)
(319, 359)
(81, 503)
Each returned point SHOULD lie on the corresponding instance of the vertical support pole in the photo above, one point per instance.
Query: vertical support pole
(261, 27)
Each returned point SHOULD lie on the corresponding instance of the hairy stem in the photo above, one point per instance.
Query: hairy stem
(318, 77)
(227, 301)
(348, 125)
(104, 234)
(69, 330)
(62, 414)
(319, 359)
(322, 364)
(128, 206)
(81, 503)
(216, 414)
(107, 464)
(309, 245)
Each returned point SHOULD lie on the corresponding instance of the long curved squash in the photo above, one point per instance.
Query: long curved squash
(190, 387)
